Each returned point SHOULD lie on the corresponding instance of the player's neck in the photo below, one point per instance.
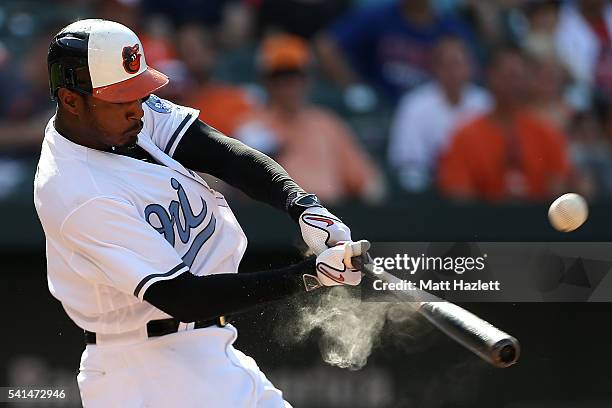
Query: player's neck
(71, 129)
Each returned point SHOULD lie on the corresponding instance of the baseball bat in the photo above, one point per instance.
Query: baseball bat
(482, 338)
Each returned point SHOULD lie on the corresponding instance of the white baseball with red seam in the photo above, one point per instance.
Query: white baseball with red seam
(568, 212)
(331, 266)
(321, 229)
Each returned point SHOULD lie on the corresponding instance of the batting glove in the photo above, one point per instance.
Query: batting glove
(334, 266)
(322, 230)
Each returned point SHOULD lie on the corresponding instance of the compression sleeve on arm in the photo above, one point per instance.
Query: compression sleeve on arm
(189, 298)
(204, 149)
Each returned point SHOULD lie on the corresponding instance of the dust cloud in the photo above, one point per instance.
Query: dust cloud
(351, 328)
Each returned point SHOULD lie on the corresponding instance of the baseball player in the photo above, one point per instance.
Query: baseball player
(141, 252)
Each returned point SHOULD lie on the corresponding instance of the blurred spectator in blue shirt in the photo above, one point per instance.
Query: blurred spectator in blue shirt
(428, 115)
(26, 105)
(388, 46)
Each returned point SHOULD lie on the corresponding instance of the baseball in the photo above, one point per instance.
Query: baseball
(568, 212)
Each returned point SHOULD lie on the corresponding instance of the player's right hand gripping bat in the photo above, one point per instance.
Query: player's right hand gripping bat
(482, 338)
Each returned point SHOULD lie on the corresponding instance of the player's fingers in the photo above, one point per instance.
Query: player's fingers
(355, 249)
(359, 247)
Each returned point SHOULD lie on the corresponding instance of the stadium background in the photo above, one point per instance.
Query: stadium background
(565, 346)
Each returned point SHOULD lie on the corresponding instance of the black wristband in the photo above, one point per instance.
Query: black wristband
(300, 203)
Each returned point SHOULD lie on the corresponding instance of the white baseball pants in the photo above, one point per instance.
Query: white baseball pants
(192, 368)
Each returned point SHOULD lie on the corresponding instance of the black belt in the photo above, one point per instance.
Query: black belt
(156, 328)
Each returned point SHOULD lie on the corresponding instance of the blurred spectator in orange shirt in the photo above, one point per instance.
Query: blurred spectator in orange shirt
(221, 105)
(509, 153)
(313, 145)
(156, 39)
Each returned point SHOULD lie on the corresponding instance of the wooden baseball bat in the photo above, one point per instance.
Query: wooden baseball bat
(482, 338)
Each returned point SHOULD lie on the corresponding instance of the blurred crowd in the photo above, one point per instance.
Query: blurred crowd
(496, 100)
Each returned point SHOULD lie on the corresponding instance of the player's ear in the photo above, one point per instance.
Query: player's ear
(70, 101)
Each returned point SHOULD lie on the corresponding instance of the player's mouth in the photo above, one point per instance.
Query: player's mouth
(134, 130)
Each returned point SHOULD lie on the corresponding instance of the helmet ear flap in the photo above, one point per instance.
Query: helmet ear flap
(67, 63)
(55, 73)
(68, 77)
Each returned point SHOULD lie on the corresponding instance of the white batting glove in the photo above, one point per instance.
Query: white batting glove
(322, 230)
(334, 266)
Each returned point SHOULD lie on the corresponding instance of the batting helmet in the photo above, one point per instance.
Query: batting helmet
(103, 59)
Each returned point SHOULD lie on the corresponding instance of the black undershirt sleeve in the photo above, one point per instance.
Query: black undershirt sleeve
(189, 298)
(203, 148)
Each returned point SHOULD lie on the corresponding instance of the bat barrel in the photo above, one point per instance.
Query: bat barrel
(488, 342)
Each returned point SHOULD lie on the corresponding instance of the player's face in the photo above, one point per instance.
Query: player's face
(113, 124)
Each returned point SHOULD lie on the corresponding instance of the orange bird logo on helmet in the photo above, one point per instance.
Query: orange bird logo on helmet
(131, 59)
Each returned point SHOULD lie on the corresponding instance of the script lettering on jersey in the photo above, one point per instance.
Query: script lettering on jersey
(180, 215)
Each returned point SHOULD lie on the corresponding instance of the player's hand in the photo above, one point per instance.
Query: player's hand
(322, 230)
(334, 266)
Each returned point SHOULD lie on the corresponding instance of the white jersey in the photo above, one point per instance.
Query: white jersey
(115, 225)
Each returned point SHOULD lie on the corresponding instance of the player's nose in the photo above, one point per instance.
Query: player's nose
(134, 110)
